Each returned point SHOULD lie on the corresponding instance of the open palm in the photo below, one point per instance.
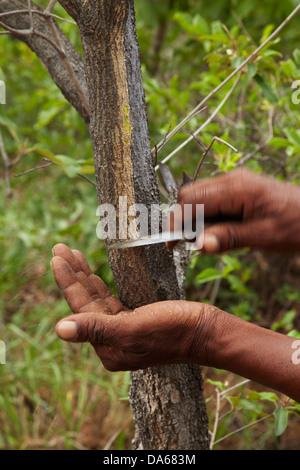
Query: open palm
(83, 290)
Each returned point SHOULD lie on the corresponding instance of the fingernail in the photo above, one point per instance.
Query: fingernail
(67, 330)
(211, 244)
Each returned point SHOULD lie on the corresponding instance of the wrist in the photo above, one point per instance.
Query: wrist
(205, 344)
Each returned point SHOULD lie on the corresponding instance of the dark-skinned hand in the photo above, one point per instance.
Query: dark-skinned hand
(257, 211)
(126, 339)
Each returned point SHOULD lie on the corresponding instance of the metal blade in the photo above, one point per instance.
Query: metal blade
(157, 238)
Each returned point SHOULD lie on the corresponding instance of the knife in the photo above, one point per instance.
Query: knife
(162, 237)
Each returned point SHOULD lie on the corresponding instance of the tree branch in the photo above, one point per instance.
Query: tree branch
(72, 7)
(51, 46)
(35, 12)
(233, 74)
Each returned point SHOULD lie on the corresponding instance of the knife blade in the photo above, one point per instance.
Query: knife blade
(162, 237)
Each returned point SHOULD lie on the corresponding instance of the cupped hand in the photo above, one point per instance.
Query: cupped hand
(254, 211)
(160, 333)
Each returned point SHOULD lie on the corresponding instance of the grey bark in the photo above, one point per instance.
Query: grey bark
(66, 69)
(167, 402)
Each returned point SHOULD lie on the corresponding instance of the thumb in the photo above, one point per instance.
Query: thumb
(86, 327)
(229, 236)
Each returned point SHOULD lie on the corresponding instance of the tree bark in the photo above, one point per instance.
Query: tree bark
(167, 402)
(65, 68)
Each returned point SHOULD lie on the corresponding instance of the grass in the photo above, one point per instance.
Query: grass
(52, 395)
(51, 391)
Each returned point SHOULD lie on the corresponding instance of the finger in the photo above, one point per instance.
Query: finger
(78, 291)
(90, 327)
(65, 276)
(64, 252)
(225, 196)
(94, 285)
(104, 293)
(82, 262)
(229, 236)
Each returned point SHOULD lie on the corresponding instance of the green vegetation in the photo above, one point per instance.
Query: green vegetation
(54, 395)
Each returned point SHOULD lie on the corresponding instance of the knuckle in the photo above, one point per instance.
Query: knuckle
(94, 334)
(232, 239)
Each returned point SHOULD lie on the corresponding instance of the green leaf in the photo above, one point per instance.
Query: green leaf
(270, 396)
(267, 89)
(267, 32)
(69, 165)
(237, 61)
(296, 55)
(234, 400)
(207, 275)
(286, 321)
(47, 115)
(232, 262)
(288, 67)
(87, 169)
(279, 142)
(281, 420)
(293, 136)
(294, 334)
(193, 25)
(252, 69)
(217, 383)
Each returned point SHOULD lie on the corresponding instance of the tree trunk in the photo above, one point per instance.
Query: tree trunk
(167, 402)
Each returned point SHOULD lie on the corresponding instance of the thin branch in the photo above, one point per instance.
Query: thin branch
(49, 163)
(31, 32)
(243, 28)
(41, 167)
(208, 149)
(216, 285)
(243, 428)
(56, 44)
(36, 12)
(233, 74)
(216, 420)
(205, 124)
(30, 14)
(50, 6)
(87, 179)
(234, 387)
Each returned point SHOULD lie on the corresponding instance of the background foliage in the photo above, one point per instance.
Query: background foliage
(59, 396)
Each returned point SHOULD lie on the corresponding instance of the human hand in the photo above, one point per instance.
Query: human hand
(160, 333)
(265, 212)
